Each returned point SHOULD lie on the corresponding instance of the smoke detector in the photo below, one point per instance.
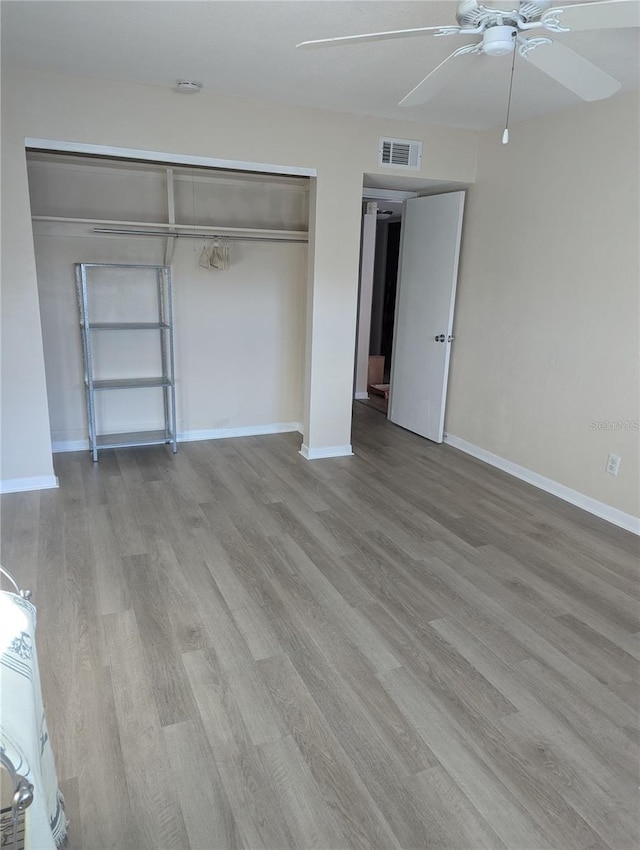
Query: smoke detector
(188, 86)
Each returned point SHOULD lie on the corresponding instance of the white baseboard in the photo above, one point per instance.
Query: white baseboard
(593, 506)
(21, 485)
(245, 431)
(325, 451)
(361, 396)
(203, 434)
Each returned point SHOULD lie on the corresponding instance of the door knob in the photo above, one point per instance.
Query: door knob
(450, 338)
(440, 338)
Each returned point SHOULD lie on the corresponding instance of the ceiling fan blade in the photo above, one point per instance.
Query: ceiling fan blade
(610, 14)
(374, 36)
(441, 76)
(573, 71)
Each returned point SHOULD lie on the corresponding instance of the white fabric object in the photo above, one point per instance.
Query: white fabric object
(23, 728)
(217, 256)
(204, 257)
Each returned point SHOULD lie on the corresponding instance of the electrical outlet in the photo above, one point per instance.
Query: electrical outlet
(613, 464)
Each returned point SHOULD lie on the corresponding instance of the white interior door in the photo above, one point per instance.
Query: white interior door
(429, 251)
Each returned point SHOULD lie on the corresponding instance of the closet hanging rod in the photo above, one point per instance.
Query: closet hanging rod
(177, 235)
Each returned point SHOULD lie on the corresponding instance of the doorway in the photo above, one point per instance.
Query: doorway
(383, 306)
(409, 260)
(379, 261)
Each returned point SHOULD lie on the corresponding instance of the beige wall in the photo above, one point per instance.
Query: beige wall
(24, 416)
(547, 314)
(340, 147)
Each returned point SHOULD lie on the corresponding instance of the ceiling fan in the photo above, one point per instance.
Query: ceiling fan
(503, 31)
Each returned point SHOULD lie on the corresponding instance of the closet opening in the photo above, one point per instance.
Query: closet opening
(235, 242)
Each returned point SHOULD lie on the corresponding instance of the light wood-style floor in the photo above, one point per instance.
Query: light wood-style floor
(401, 649)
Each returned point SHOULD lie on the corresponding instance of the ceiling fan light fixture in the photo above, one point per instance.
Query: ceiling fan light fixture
(498, 41)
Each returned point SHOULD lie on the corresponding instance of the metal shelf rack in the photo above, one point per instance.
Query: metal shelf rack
(165, 381)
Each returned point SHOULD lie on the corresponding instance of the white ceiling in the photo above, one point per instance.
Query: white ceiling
(245, 48)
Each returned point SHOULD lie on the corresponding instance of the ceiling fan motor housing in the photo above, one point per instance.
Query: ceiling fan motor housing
(498, 40)
(471, 13)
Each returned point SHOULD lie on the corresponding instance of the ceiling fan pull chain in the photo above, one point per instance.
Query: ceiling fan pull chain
(505, 135)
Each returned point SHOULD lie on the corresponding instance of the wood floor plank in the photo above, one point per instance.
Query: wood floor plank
(358, 655)
(531, 610)
(453, 604)
(254, 563)
(255, 703)
(617, 745)
(45, 553)
(81, 592)
(111, 587)
(191, 477)
(320, 594)
(160, 648)
(525, 681)
(220, 625)
(303, 525)
(152, 793)
(206, 811)
(267, 485)
(570, 777)
(392, 587)
(122, 514)
(454, 823)
(249, 615)
(459, 687)
(232, 567)
(299, 481)
(410, 526)
(504, 814)
(61, 691)
(252, 799)
(463, 577)
(586, 588)
(560, 804)
(94, 479)
(559, 602)
(240, 492)
(623, 662)
(313, 824)
(372, 748)
(344, 791)
(107, 817)
(178, 594)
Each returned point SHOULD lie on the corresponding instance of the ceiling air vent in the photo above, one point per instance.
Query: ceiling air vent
(400, 153)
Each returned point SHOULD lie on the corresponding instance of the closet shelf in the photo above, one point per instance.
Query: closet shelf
(136, 438)
(204, 229)
(130, 383)
(128, 326)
